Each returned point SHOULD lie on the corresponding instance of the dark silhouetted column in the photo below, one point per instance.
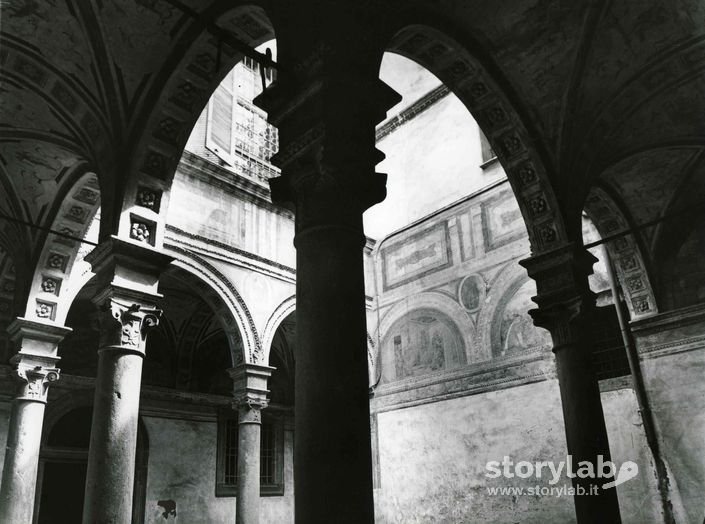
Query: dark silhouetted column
(566, 307)
(326, 112)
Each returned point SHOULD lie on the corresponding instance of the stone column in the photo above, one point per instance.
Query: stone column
(128, 273)
(326, 118)
(566, 307)
(250, 387)
(34, 369)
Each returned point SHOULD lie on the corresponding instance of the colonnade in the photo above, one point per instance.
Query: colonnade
(326, 115)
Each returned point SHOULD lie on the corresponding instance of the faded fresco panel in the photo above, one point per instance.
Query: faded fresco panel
(417, 255)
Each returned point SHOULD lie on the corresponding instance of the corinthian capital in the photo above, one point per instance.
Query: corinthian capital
(125, 323)
(34, 377)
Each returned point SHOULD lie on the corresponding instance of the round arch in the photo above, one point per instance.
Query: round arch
(502, 289)
(434, 301)
(53, 287)
(229, 307)
(481, 89)
(172, 104)
(625, 252)
(280, 313)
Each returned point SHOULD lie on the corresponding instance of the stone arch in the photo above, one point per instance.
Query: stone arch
(280, 313)
(53, 287)
(229, 307)
(478, 87)
(625, 252)
(502, 289)
(429, 301)
(173, 104)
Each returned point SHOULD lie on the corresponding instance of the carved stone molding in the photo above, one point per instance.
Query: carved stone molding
(34, 365)
(625, 253)
(561, 274)
(563, 292)
(33, 377)
(125, 323)
(328, 165)
(250, 391)
(250, 409)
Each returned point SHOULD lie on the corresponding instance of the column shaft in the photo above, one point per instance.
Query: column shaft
(19, 475)
(248, 470)
(332, 454)
(128, 273)
(111, 457)
(586, 433)
(34, 369)
(566, 307)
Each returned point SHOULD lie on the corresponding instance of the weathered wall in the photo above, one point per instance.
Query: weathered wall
(432, 160)
(672, 348)
(206, 202)
(182, 466)
(4, 420)
(432, 457)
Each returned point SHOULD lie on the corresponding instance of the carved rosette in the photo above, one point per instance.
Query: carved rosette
(250, 409)
(126, 324)
(34, 381)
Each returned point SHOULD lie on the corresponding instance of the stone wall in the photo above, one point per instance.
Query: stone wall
(672, 349)
(182, 465)
(432, 457)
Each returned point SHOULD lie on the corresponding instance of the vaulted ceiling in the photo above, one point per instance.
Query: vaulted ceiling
(610, 90)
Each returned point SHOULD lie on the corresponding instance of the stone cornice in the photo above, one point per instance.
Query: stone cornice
(473, 379)
(412, 111)
(194, 165)
(233, 255)
(677, 318)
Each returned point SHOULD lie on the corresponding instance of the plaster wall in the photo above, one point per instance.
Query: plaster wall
(201, 208)
(432, 458)
(4, 421)
(672, 349)
(182, 466)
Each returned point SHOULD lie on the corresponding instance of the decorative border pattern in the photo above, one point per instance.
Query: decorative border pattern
(500, 122)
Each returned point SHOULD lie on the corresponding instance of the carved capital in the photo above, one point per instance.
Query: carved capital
(327, 150)
(250, 409)
(125, 323)
(561, 275)
(564, 298)
(34, 374)
(250, 391)
(566, 320)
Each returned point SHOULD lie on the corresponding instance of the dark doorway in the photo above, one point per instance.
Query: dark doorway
(62, 470)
